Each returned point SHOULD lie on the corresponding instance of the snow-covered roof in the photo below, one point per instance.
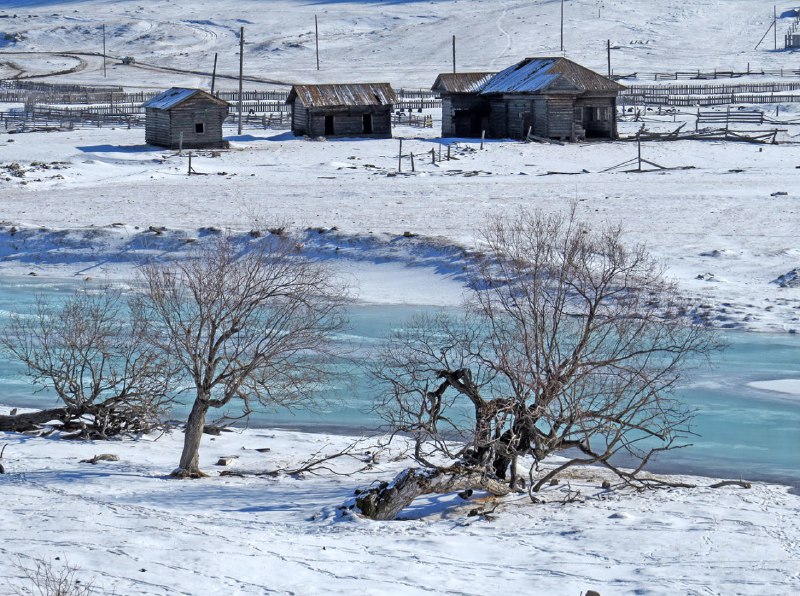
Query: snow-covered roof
(535, 75)
(350, 94)
(176, 95)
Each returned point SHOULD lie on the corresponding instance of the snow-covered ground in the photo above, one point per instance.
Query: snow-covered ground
(131, 530)
(96, 202)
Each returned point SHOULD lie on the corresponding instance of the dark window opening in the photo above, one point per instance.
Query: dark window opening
(199, 127)
(367, 119)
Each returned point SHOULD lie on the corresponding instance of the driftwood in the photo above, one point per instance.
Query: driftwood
(2, 469)
(100, 457)
(740, 483)
(28, 421)
(387, 500)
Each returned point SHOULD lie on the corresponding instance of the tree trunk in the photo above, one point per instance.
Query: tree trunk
(33, 420)
(388, 500)
(190, 466)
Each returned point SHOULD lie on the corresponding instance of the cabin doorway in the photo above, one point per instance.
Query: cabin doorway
(329, 126)
(468, 123)
(367, 124)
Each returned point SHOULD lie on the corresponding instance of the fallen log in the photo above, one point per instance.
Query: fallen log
(387, 500)
(28, 421)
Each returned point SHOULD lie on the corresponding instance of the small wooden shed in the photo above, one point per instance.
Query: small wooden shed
(185, 118)
(545, 97)
(464, 112)
(353, 110)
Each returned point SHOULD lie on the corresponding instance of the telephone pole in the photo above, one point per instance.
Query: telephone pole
(104, 50)
(241, 74)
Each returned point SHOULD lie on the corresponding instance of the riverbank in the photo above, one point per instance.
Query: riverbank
(91, 202)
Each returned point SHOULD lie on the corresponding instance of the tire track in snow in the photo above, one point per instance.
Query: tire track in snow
(509, 43)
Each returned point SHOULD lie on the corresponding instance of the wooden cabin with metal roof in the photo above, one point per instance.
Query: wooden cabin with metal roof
(185, 118)
(464, 112)
(351, 110)
(552, 98)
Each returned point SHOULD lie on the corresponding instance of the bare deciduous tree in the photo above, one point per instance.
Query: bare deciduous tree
(44, 578)
(571, 344)
(250, 322)
(92, 351)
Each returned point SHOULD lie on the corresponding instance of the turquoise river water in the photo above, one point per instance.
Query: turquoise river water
(742, 431)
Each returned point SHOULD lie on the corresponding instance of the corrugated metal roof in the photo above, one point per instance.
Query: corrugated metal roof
(535, 75)
(461, 82)
(172, 97)
(343, 95)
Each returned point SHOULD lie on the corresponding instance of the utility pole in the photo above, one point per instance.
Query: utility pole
(316, 36)
(562, 26)
(241, 74)
(608, 54)
(775, 23)
(454, 54)
(214, 74)
(104, 50)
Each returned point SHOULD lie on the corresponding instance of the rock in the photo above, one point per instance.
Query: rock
(226, 461)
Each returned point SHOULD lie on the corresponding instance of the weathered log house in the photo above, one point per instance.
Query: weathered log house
(545, 97)
(464, 112)
(187, 118)
(353, 110)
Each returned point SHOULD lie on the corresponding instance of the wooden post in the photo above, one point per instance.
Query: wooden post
(774, 23)
(608, 55)
(433, 157)
(316, 38)
(412, 163)
(454, 54)
(483, 136)
(189, 173)
(639, 147)
(104, 50)
(214, 74)
(448, 153)
(241, 71)
(400, 157)
(180, 143)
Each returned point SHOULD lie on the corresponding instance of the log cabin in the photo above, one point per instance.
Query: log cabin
(185, 118)
(552, 98)
(351, 110)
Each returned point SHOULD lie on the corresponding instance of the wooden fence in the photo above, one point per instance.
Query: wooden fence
(709, 74)
(730, 117)
(660, 99)
(712, 89)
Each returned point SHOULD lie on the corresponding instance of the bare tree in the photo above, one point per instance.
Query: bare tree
(250, 322)
(92, 351)
(571, 344)
(43, 578)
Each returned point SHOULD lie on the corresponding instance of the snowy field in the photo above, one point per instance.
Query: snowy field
(133, 531)
(96, 202)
